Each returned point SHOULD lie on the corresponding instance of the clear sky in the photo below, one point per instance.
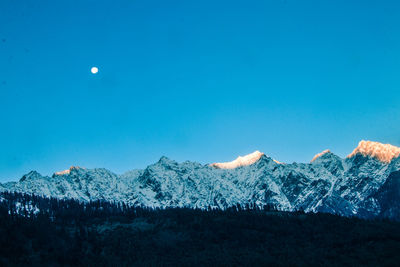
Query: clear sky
(193, 80)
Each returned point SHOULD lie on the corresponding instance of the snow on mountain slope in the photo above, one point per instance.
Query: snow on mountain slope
(79, 183)
(320, 154)
(329, 184)
(240, 161)
(383, 152)
(68, 171)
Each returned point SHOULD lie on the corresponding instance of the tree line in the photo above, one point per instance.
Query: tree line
(41, 231)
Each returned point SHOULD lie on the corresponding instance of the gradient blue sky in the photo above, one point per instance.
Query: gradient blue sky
(193, 80)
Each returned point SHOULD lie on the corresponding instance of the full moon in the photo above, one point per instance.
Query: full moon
(94, 70)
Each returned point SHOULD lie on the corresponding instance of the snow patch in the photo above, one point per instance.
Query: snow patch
(320, 154)
(68, 171)
(383, 152)
(240, 161)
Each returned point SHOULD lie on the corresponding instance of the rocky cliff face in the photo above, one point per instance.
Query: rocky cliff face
(361, 185)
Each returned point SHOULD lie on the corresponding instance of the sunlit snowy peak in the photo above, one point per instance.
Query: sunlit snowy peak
(67, 171)
(320, 154)
(240, 161)
(382, 152)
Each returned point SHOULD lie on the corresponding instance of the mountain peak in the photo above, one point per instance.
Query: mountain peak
(68, 171)
(164, 159)
(30, 175)
(240, 161)
(320, 154)
(382, 152)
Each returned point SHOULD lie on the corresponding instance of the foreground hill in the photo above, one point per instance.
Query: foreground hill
(50, 232)
(364, 184)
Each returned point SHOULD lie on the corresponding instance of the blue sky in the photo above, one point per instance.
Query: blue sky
(193, 80)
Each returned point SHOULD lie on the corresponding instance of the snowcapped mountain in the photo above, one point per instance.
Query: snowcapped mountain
(240, 161)
(365, 184)
(383, 152)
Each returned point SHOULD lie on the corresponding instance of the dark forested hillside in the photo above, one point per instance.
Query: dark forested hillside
(38, 231)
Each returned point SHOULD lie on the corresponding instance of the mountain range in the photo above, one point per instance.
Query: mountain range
(365, 184)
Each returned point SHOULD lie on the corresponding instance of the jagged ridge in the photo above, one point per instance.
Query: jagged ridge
(383, 152)
(347, 186)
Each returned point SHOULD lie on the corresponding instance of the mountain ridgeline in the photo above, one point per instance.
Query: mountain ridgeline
(365, 184)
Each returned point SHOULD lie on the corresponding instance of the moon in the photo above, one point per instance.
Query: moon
(94, 70)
